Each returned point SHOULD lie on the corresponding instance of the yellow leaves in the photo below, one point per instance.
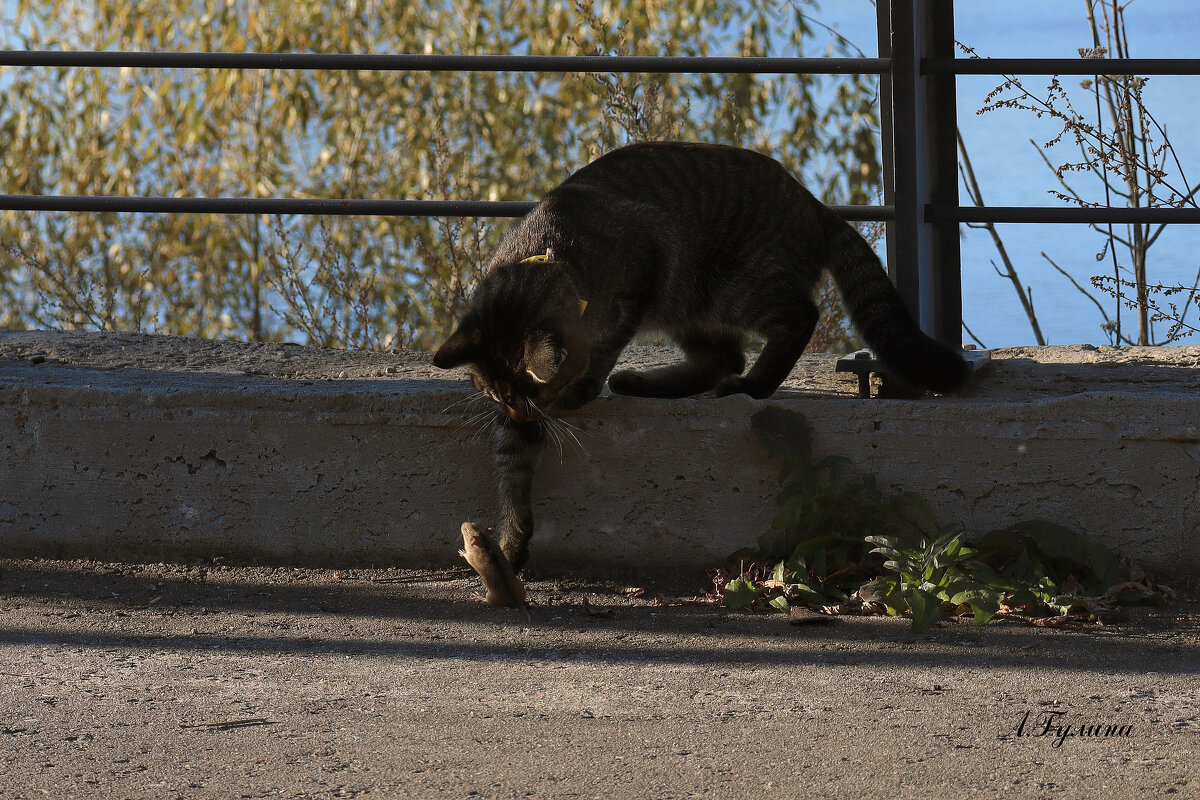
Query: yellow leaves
(404, 134)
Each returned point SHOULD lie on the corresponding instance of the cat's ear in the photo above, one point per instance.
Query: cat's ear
(461, 348)
(543, 357)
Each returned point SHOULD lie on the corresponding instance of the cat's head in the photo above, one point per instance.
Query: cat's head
(521, 336)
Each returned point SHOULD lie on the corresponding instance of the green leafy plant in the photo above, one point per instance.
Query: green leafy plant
(845, 546)
(927, 578)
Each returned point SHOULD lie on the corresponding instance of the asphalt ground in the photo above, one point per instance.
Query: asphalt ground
(171, 681)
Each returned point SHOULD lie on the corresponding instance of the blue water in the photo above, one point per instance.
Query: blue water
(1011, 172)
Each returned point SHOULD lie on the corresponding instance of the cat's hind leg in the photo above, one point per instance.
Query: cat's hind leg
(787, 335)
(709, 358)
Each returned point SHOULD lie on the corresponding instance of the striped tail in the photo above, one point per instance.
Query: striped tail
(880, 316)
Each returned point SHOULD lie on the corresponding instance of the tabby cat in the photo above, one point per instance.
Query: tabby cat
(702, 242)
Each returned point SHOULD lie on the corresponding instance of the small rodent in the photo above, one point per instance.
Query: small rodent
(503, 586)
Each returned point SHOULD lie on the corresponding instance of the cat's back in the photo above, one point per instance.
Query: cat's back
(678, 170)
(708, 193)
(699, 203)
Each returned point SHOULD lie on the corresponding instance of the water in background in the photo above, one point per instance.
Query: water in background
(1011, 172)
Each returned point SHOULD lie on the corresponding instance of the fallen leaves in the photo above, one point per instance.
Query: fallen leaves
(595, 611)
(756, 589)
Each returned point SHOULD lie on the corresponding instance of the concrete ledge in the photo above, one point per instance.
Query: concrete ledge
(162, 448)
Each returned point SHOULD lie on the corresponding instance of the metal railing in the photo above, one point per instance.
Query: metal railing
(917, 68)
(396, 62)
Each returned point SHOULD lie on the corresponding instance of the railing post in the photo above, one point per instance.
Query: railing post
(924, 257)
(883, 19)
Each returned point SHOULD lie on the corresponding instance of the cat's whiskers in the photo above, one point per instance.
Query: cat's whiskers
(475, 421)
(547, 424)
(492, 417)
(575, 428)
(557, 439)
(469, 401)
(478, 415)
(558, 429)
(570, 430)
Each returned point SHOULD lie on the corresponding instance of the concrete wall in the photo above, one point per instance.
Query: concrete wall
(168, 463)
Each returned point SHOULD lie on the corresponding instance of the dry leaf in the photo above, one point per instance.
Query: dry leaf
(1068, 621)
(593, 611)
(1136, 586)
(803, 616)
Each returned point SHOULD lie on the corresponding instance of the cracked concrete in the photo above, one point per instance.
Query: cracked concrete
(153, 447)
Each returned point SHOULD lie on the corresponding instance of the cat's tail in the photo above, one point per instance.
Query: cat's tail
(880, 316)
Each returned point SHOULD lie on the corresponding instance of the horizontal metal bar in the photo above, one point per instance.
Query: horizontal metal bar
(325, 206)
(1063, 66)
(264, 205)
(1037, 214)
(518, 208)
(443, 63)
(860, 213)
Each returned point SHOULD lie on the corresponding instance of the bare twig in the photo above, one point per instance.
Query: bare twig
(78, 298)
(1108, 324)
(974, 338)
(1010, 272)
(441, 575)
(1122, 144)
(229, 724)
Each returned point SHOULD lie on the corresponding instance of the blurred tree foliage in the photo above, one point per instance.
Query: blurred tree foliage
(360, 281)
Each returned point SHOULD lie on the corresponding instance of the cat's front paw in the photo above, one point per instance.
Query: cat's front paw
(582, 391)
(577, 394)
(515, 548)
(739, 384)
(627, 381)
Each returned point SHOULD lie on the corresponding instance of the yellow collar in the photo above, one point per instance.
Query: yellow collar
(543, 257)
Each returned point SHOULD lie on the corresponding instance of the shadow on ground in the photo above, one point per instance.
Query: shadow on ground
(90, 605)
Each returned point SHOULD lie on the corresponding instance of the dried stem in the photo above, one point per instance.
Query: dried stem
(1010, 272)
(1129, 155)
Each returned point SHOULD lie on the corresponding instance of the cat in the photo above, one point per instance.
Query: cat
(702, 242)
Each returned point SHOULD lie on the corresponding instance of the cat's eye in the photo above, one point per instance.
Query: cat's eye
(535, 377)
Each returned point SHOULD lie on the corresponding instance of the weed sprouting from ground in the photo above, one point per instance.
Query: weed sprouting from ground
(845, 546)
